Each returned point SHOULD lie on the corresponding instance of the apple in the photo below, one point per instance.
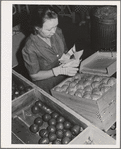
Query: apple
(67, 133)
(97, 78)
(75, 130)
(88, 88)
(67, 82)
(97, 92)
(64, 87)
(102, 85)
(87, 96)
(38, 121)
(57, 88)
(60, 119)
(113, 127)
(51, 128)
(44, 140)
(95, 96)
(78, 94)
(104, 89)
(60, 126)
(46, 117)
(52, 136)
(34, 128)
(72, 84)
(95, 84)
(59, 133)
(77, 76)
(79, 86)
(54, 115)
(57, 141)
(87, 82)
(52, 121)
(66, 140)
(67, 125)
(71, 93)
(111, 81)
(90, 77)
(35, 109)
(49, 111)
(105, 80)
(43, 133)
(39, 103)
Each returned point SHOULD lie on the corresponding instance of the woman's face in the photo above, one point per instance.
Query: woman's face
(49, 28)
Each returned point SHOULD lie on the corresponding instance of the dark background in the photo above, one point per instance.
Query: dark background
(73, 33)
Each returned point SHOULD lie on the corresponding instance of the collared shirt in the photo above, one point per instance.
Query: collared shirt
(38, 55)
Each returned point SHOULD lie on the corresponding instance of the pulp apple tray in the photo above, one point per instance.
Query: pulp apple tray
(92, 91)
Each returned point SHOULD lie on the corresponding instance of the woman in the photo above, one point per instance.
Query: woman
(43, 49)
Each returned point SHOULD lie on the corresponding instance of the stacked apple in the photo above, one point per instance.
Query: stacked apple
(52, 127)
(86, 86)
(19, 89)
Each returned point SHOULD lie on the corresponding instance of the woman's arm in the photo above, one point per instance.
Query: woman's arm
(41, 75)
(32, 64)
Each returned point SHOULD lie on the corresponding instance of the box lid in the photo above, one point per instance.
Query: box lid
(100, 63)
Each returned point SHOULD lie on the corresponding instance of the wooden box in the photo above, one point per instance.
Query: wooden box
(101, 112)
(93, 136)
(100, 63)
(20, 85)
(22, 116)
(112, 131)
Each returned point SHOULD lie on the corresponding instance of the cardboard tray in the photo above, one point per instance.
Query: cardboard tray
(100, 112)
(100, 63)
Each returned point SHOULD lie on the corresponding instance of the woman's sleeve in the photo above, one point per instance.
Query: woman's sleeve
(30, 60)
(63, 39)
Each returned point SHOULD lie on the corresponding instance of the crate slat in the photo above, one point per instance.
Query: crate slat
(97, 136)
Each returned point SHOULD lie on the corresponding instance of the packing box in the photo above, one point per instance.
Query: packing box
(96, 70)
(101, 63)
(23, 118)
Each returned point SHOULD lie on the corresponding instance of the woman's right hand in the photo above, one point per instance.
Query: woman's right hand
(69, 71)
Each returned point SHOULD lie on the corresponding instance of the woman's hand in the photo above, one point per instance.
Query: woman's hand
(69, 71)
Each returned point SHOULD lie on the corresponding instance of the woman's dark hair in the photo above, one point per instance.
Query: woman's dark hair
(40, 16)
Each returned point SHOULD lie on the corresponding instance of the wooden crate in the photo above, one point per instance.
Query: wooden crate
(100, 112)
(22, 117)
(112, 131)
(93, 136)
(100, 63)
(19, 80)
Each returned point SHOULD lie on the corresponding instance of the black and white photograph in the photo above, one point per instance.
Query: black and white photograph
(60, 80)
